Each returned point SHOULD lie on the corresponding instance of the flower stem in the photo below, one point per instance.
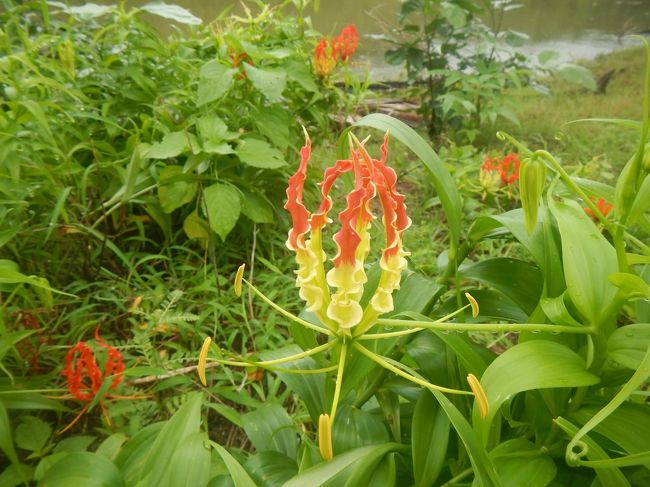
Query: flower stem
(284, 312)
(339, 379)
(381, 361)
(489, 327)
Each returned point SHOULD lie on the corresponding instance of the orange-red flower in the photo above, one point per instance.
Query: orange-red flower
(603, 206)
(346, 42)
(506, 168)
(325, 57)
(83, 374)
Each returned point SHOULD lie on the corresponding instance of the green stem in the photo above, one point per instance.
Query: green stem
(339, 379)
(282, 360)
(284, 312)
(491, 327)
(381, 361)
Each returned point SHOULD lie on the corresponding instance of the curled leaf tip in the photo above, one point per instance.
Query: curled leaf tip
(479, 395)
(325, 437)
(238, 279)
(203, 355)
(473, 303)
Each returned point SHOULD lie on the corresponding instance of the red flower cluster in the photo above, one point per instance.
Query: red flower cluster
(603, 206)
(84, 375)
(346, 42)
(329, 51)
(508, 167)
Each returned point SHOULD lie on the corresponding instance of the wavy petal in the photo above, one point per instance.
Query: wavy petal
(299, 214)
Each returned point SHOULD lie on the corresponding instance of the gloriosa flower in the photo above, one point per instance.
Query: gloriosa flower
(497, 172)
(603, 206)
(346, 42)
(341, 310)
(325, 57)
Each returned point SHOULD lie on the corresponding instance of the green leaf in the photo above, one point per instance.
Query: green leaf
(579, 75)
(172, 12)
(270, 428)
(83, 468)
(519, 462)
(6, 440)
(300, 72)
(258, 153)
(111, 446)
(182, 424)
(214, 82)
(535, 364)
(519, 280)
(273, 122)
(454, 14)
(354, 428)
(609, 477)
(237, 473)
(270, 468)
(270, 83)
(438, 174)
(339, 467)
(133, 455)
(429, 440)
(223, 208)
(32, 433)
(175, 188)
(588, 259)
(484, 469)
(190, 463)
(173, 144)
(196, 227)
(628, 344)
(256, 207)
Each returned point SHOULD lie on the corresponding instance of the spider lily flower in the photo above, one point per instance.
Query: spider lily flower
(341, 310)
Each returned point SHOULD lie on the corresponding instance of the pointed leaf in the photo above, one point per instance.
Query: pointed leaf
(223, 208)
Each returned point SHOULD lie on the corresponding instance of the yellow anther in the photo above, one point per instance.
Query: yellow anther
(203, 355)
(238, 279)
(473, 303)
(325, 437)
(479, 395)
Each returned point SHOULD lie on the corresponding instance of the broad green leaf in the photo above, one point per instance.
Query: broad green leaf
(273, 122)
(175, 188)
(519, 280)
(223, 208)
(190, 463)
(270, 82)
(270, 428)
(429, 439)
(6, 440)
(438, 173)
(256, 207)
(214, 82)
(173, 144)
(172, 12)
(628, 344)
(337, 469)
(258, 153)
(641, 202)
(535, 364)
(111, 446)
(579, 75)
(628, 426)
(83, 468)
(630, 286)
(270, 468)
(196, 227)
(609, 477)
(133, 455)
(484, 470)
(182, 424)
(519, 462)
(237, 473)
(75, 443)
(300, 72)
(454, 14)
(588, 259)
(32, 433)
(354, 428)
(557, 312)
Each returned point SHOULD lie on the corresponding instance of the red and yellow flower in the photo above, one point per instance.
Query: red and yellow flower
(334, 296)
(325, 57)
(346, 42)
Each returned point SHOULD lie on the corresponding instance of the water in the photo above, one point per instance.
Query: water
(577, 29)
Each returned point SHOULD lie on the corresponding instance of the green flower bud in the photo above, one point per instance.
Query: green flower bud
(532, 175)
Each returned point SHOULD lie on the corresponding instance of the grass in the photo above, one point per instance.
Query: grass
(600, 148)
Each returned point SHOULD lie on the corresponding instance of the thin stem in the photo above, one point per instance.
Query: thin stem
(282, 360)
(391, 334)
(490, 327)
(380, 360)
(284, 312)
(339, 379)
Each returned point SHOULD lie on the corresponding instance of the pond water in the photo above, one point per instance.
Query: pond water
(574, 28)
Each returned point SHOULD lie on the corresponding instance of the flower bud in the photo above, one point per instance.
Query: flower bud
(531, 186)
